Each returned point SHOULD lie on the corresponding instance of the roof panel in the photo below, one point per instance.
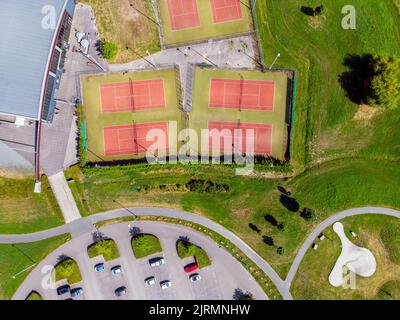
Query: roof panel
(24, 51)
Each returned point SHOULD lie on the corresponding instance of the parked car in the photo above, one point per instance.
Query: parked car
(76, 292)
(166, 284)
(191, 267)
(195, 277)
(121, 291)
(156, 262)
(150, 281)
(63, 290)
(116, 269)
(99, 267)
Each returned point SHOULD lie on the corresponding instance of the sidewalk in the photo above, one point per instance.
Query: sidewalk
(64, 197)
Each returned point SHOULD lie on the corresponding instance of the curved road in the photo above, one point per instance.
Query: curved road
(84, 225)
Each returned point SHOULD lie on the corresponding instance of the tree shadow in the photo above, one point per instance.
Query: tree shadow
(98, 236)
(357, 80)
(307, 11)
(62, 258)
(289, 203)
(254, 228)
(239, 294)
(135, 232)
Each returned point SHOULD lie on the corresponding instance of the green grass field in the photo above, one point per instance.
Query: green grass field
(312, 282)
(327, 124)
(207, 29)
(22, 211)
(145, 245)
(107, 248)
(95, 120)
(15, 258)
(201, 113)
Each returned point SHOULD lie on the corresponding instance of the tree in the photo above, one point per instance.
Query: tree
(280, 250)
(109, 50)
(385, 83)
(307, 214)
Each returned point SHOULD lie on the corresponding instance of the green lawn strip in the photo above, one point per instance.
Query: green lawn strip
(34, 296)
(107, 248)
(105, 223)
(187, 250)
(207, 29)
(68, 269)
(95, 120)
(311, 281)
(390, 236)
(144, 245)
(15, 258)
(201, 113)
(23, 211)
(316, 48)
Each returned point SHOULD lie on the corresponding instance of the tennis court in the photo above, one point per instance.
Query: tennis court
(257, 141)
(131, 96)
(226, 10)
(133, 139)
(242, 94)
(183, 14)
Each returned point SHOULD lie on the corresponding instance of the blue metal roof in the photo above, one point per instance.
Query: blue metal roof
(25, 46)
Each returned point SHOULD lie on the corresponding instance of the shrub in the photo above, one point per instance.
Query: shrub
(109, 50)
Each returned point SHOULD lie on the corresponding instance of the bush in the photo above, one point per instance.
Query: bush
(109, 50)
(206, 186)
(186, 249)
(268, 240)
(107, 248)
(69, 270)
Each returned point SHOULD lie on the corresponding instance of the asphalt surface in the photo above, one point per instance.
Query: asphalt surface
(219, 281)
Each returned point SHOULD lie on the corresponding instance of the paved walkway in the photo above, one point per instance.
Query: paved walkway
(64, 197)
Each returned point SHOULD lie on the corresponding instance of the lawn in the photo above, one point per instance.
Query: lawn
(145, 245)
(130, 29)
(14, 258)
(107, 248)
(327, 123)
(202, 113)
(22, 211)
(34, 296)
(187, 250)
(68, 269)
(311, 281)
(96, 120)
(207, 28)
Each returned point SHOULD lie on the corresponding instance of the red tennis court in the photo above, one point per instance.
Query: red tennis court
(242, 94)
(262, 136)
(226, 10)
(131, 139)
(131, 96)
(183, 14)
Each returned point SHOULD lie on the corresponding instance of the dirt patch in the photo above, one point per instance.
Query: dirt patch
(317, 22)
(15, 174)
(366, 113)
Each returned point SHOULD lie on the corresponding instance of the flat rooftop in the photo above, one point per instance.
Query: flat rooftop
(25, 46)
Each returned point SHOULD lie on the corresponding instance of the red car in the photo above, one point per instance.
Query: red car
(191, 267)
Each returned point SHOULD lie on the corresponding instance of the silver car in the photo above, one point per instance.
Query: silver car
(150, 281)
(157, 262)
(195, 277)
(116, 270)
(166, 284)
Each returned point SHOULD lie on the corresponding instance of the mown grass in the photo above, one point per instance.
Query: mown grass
(107, 248)
(22, 211)
(68, 269)
(132, 31)
(325, 125)
(187, 250)
(311, 282)
(15, 258)
(144, 245)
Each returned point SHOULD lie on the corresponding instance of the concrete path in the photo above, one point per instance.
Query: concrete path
(64, 197)
(327, 223)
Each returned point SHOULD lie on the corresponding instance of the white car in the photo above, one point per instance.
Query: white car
(157, 262)
(150, 281)
(115, 270)
(166, 284)
(195, 277)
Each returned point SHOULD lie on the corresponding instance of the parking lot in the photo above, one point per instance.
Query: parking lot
(218, 281)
